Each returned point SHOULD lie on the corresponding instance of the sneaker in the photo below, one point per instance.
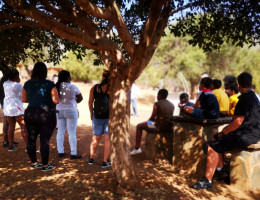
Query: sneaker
(220, 175)
(90, 161)
(13, 148)
(136, 151)
(5, 144)
(105, 164)
(60, 155)
(108, 162)
(48, 168)
(37, 166)
(75, 156)
(202, 184)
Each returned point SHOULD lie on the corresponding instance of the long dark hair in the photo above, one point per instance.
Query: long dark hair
(62, 77)
(39, 71)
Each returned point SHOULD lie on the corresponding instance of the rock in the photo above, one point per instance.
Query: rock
(245, 170)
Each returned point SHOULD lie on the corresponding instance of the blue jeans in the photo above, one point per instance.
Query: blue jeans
(198, 113)
(67, 119)
(100, 126)
(134, 106)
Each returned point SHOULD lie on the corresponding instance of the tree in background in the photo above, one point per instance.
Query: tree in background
(125, 35)
(82, 69)
(175, 55)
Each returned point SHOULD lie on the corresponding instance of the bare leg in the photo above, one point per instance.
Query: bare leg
(221, 160)
(106, 147)
(212, 162)
(139, 129)
(94, 143)
(20, 120)
(5, 129)
(11, 127)
(188, 109)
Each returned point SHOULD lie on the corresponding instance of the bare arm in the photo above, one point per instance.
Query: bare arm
(91, 101)
(79, 98)
(197, 104)
(24, 96)
(55, 96)
(154, 113)
(238, 120)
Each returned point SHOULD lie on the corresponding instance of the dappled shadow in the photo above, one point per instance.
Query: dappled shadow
(75, 179)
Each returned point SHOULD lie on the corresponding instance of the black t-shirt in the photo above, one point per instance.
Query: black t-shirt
(209, 105)
(249, 107)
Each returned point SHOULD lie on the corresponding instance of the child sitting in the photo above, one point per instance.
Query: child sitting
(206, 106)
(184, 101)
(222, 97)
(233, 98)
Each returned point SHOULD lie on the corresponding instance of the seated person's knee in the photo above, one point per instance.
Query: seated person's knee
(188, 109)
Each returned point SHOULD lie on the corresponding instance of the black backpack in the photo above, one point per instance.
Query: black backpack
(101, 103)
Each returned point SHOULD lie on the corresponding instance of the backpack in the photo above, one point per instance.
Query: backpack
(101, 103)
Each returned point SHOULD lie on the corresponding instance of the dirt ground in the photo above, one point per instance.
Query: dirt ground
(75, 179)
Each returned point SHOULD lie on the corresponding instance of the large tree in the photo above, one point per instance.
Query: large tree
(124, 34)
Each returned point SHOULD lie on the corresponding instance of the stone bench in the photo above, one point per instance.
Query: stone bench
(158, 145)
(189, 134)
(245, 168)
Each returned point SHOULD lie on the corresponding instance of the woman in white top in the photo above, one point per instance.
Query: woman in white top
(67, 113)
(13, 107)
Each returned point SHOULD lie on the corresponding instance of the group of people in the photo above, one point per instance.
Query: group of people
(49, 106)
(238, 100)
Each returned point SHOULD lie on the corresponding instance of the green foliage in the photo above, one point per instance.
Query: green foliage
(175, 55)
(82, 69)
(209, 23)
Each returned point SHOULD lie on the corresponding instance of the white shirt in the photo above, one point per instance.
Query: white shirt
(13, 105)
(67, 96)
(134, 91)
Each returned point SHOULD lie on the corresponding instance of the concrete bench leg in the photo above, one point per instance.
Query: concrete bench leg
(188, 156)
(158, 145)
(245, 170)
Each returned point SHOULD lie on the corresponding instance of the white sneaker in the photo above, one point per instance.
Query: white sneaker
(136, 151)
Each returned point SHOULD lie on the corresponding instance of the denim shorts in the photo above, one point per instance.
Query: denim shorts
(198, 113)
(100, 126)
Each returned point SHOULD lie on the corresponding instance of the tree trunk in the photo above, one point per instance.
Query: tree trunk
(193, 91)
(119, 133)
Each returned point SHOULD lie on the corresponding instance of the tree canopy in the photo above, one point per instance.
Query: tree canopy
(124, 34)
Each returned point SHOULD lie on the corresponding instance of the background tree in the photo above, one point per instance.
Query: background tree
(82, 69)
(125, 35)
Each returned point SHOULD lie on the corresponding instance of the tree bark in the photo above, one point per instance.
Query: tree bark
(119, 123)
(193, 92)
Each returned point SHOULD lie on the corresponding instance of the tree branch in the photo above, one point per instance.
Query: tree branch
(189, 5)
(62, 30)
(95, 11)
(151, 22)
(20, 24)
(122, 29)
(149, 48)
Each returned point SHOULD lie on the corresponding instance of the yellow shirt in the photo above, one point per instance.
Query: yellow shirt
(223, 100)
(232, 103)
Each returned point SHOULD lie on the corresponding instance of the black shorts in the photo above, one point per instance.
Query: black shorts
(228, 142)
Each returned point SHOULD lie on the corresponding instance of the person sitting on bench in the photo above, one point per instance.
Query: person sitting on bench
(243, 131)
(156, 122)
(206, 106)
